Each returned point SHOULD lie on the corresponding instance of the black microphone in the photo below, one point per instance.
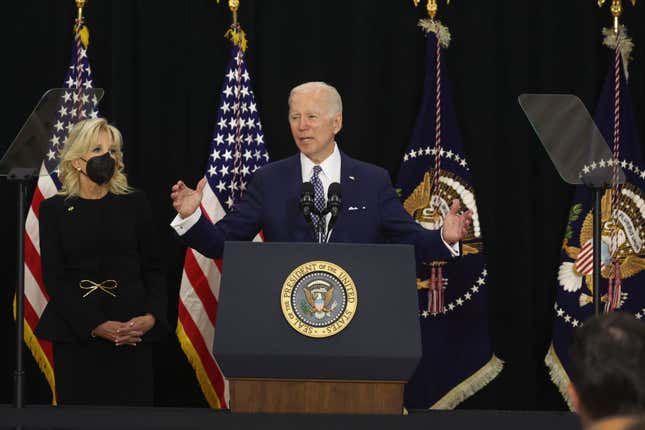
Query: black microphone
(307, 200)
(334, 202)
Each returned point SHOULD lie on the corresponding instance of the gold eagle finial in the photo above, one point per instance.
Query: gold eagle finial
(432, 7)
(233, 5)
(616, 9)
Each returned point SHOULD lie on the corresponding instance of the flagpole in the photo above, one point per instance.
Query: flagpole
(597, 208)
(614, 281)
(80, 4)
(234, 6)
(616, 11)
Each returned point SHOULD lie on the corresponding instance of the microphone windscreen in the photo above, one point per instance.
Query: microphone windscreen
(334, 190)
(307, 188)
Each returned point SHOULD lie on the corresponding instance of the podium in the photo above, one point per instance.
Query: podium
(317, 328)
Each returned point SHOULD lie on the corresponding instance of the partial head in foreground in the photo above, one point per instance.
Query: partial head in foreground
(607, 368)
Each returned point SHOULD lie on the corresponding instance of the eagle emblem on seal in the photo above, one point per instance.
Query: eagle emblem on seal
(319, 295)
(630, 252)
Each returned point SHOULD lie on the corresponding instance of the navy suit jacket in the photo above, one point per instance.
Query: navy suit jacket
(271, 204)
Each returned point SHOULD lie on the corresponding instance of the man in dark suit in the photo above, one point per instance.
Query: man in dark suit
(371, 210)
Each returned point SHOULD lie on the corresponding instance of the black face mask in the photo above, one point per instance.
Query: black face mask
(100, 169)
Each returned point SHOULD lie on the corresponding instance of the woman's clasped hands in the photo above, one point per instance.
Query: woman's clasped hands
(125, 333)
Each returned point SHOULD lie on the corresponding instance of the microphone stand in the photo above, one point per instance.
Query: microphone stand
(332, 221)
(321, 225)
(334, 205)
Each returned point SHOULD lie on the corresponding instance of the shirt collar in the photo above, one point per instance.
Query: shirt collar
(330, 167)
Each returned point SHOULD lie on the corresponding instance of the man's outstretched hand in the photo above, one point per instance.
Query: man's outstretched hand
(185, 200)
(456, 224)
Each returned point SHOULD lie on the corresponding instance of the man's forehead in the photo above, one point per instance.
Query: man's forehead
(309, 108)
(311, 100)
(309, 93)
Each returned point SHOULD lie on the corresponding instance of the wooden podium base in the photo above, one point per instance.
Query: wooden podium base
(316, 396)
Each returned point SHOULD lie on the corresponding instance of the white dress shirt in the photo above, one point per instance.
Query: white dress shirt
(330, 172)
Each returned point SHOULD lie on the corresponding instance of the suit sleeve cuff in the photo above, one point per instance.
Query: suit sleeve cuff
(454, 248)
(182, 225)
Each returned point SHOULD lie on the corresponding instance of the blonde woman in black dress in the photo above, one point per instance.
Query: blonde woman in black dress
(102, 271)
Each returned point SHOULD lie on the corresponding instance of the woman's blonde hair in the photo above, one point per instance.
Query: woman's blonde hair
(83, 135)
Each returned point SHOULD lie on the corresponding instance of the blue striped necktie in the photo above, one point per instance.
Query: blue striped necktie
(319, 202)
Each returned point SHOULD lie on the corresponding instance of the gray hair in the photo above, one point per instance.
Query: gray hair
(335, 102)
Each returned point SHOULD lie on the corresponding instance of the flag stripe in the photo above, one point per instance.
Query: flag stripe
(195, 308)
(33, 294)
(584, 262)
(204, 352)
(200, 285)
(33, 265)
(212, 269)
(35, 202)
(211, 205)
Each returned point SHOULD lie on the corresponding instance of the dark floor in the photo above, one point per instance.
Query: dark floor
(47, 417)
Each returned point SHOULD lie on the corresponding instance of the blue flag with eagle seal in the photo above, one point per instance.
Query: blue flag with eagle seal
(574, 297)
(457, 356)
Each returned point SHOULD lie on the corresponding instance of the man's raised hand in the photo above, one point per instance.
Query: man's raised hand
(185, 200)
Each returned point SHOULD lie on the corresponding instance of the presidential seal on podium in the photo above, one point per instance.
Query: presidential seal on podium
(319, 299)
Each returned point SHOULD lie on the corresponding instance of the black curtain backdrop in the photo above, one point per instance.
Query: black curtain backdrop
(162, 65)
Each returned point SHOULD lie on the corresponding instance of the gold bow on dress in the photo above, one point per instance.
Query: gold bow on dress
(104, 286)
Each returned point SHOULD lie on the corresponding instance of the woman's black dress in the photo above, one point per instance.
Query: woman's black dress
(83, 244)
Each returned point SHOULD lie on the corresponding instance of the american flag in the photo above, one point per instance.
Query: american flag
(237, 150)
(77, 103)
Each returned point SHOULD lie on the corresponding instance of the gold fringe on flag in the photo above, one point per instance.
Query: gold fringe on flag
(200, 372)
(626, 44)
(471, 385)
(236, 35)
(434, 26)
(84, 33)
(558, 375)
(39, 355)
